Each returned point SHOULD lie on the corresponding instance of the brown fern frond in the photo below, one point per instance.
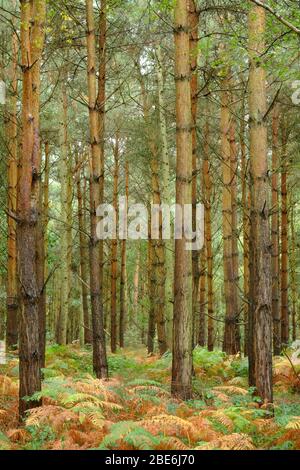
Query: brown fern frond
(292, 435)
(85, 440)
(205, 429)
(220, 416)
(239, 381)
(170, 425)
(294, 423)
(144, 388)
(231, 442)
(57, 416)
(220, 396)
(18, 435)
(98, 387)
(173, 443)
(7, 386)
(231, 390)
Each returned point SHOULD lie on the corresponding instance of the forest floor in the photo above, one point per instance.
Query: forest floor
(134, 409)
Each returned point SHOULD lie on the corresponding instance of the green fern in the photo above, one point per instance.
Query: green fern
(130, 434)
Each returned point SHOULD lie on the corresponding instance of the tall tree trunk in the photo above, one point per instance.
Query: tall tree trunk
(69, 225)
(83, 260)
(158, 273)
(275, 235)
(64, 223)
(260, 314)
(123, 273)
(183, 282)
(38, 36)
(208, 237)
(165, 194)
(28, 215)
(193, 38)
(245, 207)
(202, 299)
(45, 213)
(96, 197)
(100, 107)
(293, 262)
(136, 284)
(230, 284)
(114, 254)
(12, 281)
(151, 290)
(285, 324)
(234, 226)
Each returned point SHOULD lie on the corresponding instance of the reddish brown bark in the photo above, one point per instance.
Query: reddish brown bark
(183, 282)
(29, 342)
(96, 197)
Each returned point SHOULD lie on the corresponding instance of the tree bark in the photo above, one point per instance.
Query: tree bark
(246, 216)
(293, 262)
(12, 301)
(230, 281)
(208, 237)
(123, 273)
(275, 236)
(38, 37)
(64, 223)
(183, 283)
(114, 254)
(193, 44)
(157, 269)
(165, 194)
(28, 215)
(96, 197)
(83, 261)
(285, 321)
(260, 314)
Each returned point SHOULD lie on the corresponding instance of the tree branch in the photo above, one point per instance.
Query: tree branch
(277, 15)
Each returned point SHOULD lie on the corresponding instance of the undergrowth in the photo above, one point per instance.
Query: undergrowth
(135, 410)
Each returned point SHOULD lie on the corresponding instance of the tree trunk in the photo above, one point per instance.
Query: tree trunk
(28, 215)
(12, 177)
(83, 261)
(38, 36)
(202, 299)
(183, 281)
(293, 258)
(285, 324)
(275, 236)
(100, 107)
(114, 255)
(158, 273)
(234, 225)
(193, 39)
(64, 223)
(230, 281)
(45, 222)
(123, 275)
(151, 289)
(208, 238)
(136, 285)
(245, 206)
(260, 314)
(165, 194)
(96, 197)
